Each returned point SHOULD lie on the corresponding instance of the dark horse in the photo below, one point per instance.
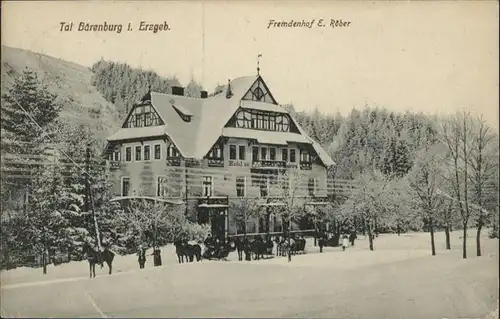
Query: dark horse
(97, 257)
(188, 251)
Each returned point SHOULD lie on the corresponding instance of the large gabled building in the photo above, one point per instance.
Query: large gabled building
(211, 151)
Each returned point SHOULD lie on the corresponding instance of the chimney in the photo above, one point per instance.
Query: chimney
(178, 90)
(229, 92)
(147, 97)
(203, 94)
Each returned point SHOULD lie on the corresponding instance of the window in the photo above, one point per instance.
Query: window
(128, 154)
(255, 154)
(292, 155)
(138, 120)
(272, 154)
(285, 186)
(215, 152)
(117, 156)
(157, 151)
(147, 152)
(244, 119)
(263, 153)
(232, 152)
(125, 186)
(161, 189)
(258, 93)
(284, 154)
(207, 185)
(138, 153)
(110, 156)
(255, 119)
(304, 156)
(286, 124)
(240, 186)
(311, 186)
(172, 151)
(241, 151)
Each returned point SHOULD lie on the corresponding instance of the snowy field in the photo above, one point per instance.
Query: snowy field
(398, 280)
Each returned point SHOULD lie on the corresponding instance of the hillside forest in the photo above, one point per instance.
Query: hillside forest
(411, 171)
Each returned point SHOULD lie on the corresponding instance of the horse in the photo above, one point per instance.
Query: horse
(97, 257)
(179, 251)
(184, 249)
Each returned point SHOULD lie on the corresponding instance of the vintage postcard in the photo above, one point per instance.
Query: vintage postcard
(258, 159)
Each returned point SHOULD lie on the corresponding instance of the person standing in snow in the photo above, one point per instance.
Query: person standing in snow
(345, 243)
(142, 256)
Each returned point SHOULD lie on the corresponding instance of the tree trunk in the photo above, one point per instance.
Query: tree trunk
(44, 262)
(447, 234)
(399, 229)
(464, 242)
(364, 227)
(315, 234)
(433, 245)
(478, 238)
(44, 253)
(289, 227)
(370, 237)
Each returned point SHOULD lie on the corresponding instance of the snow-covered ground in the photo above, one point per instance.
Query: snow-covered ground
(400, 279)
(388, 248)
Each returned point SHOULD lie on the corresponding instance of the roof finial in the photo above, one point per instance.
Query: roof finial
(258, 63)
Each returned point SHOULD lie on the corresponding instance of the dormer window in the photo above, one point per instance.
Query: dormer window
(183, 113)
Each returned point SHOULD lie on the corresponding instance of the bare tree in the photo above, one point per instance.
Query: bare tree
(457, 136)
(483, 162)
(474, 160)
(367, 201)
(426, 178)
(245, 209)
(290, 185)
(154, 222)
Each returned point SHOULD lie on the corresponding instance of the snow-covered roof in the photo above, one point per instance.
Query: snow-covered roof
(265, 137)
(138, 132)
(208, 116)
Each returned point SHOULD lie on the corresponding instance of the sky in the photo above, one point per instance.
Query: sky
(431, 57)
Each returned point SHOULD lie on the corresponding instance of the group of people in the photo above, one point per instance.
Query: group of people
(213, 245)
(141, 253)
(347, 239)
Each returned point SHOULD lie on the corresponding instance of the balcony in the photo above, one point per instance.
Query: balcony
(212, 162)
(114, 165)
(305, 165)
(268, 164)
(190, 162)
(173, 161)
